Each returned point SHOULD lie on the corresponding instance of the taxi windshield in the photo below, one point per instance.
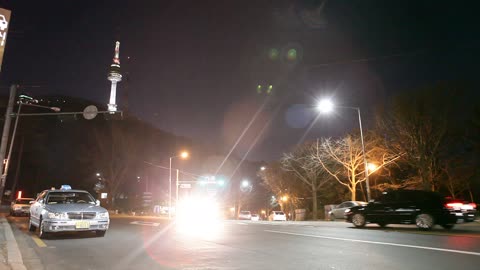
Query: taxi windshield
(69, 197)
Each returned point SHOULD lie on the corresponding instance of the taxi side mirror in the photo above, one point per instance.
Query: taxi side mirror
(97, 203)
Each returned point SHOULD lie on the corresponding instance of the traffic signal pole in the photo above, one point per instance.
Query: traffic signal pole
(5, 135)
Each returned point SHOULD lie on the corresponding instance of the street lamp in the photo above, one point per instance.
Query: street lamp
(17, 118)
(285, 198)
(327, 106)
(183, 155)
(263, 168)
(372, 168)
(245, 183)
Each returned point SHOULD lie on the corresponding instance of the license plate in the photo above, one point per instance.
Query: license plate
(82, 225)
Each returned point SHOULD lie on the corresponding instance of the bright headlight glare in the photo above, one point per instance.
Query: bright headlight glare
(347, 210)
(57, 215)
(103, 215)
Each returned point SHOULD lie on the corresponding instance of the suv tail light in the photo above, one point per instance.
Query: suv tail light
(454, 205)
(474, 205)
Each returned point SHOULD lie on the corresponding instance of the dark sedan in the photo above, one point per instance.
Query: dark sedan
(422, 208)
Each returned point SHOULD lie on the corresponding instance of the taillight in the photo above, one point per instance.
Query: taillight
(454, 205)
(474, 205)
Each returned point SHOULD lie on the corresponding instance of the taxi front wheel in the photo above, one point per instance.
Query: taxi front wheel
(41, 230)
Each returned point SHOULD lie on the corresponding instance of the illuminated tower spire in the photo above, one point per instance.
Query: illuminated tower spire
(114, 76)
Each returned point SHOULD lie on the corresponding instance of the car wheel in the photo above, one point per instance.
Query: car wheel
(448, 226)
(332, 217)
(100, 233)
(30, 225)
(41, 230)
(382, 224)
(424, 221)
(359, 220)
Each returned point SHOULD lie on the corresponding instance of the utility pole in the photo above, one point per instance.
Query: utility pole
(176, 196)
(5, 134)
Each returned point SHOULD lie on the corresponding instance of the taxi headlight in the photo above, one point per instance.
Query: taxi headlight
(53, 215)
(102, 215)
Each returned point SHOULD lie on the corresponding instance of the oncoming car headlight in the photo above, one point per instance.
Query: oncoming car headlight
(102, 215)
(52, 215)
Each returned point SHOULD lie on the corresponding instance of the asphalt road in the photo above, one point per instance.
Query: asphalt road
(146, 243)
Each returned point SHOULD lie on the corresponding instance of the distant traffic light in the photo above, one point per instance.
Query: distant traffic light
(268, 89)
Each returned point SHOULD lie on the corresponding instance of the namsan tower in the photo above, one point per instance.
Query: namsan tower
(114, 76)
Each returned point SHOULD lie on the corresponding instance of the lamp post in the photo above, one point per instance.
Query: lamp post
(326, 106)
(182, 155)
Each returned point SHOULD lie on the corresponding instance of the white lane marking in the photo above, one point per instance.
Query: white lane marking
(241, 223)
(379, 243)
(145, 223)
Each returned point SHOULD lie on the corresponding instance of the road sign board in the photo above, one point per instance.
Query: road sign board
(90, 112)
(185, 185)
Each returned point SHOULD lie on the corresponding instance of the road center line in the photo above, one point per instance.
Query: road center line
(38, 241)
(378, 243)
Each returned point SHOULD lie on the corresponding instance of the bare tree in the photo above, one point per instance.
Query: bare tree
(307, 170)
(417, 125)
(343, 160)
(282, 183)
(457, 176)
(117, 149)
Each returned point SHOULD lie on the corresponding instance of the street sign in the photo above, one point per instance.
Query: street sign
(4, 22)
(185, 185)
(90, 112)
(147, 199)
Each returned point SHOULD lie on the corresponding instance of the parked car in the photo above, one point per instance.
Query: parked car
(67, 210)
(20, 206)
(423, 208)
(277, 216)
(338, 212)
(464, 210)
(255, 217)
(245, 215)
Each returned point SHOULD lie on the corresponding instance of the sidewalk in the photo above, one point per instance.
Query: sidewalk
(10, 256)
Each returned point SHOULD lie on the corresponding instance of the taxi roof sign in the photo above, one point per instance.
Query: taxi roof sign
(65, 187)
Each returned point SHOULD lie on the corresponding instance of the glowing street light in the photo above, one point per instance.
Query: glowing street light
(184, 155)
(245, 183)
(285, 198)
(97, 174)
(263, 168)
(327, 106)
(372, 167)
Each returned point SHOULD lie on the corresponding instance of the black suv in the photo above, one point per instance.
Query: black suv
(423, 208)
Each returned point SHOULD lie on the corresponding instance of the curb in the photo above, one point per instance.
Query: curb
(14, 257)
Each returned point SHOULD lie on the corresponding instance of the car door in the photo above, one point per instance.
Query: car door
(339, 210)
(36, 208)
(405, 207)
(381, 210)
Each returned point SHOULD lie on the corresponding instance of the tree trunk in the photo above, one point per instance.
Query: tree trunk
(314, 204)
(354, 191)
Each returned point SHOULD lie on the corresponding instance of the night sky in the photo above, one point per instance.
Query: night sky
(194, 66)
